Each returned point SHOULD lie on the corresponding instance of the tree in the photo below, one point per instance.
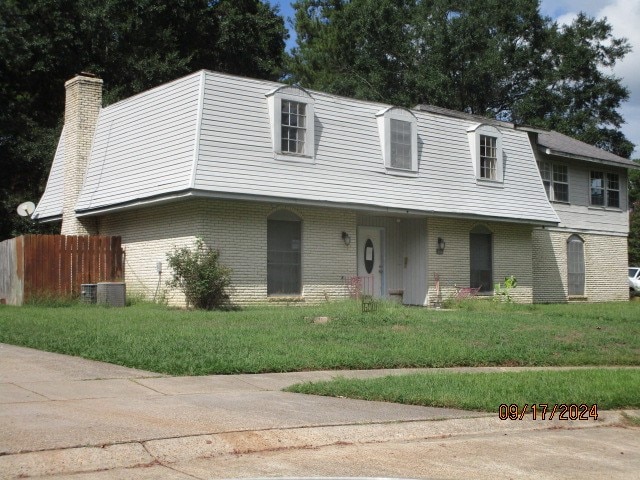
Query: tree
(494, 58)
(132, 45)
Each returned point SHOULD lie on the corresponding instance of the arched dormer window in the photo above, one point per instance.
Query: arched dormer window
(291, 115)
(485, 143)
(398, 130)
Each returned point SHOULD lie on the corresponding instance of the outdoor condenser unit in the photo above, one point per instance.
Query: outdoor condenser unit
(88, 292)
(112, 294)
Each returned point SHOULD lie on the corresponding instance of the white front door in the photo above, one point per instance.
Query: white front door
(371, 260)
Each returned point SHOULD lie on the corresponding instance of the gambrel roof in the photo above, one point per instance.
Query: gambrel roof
(209, 134)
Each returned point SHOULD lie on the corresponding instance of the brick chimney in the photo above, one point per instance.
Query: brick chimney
(82, 105)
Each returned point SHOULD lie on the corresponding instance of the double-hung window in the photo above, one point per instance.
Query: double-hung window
(485, 144)
(291, 114)
(398, 130)
(556, 181)
(605, 189)
(488, 157)
(293, 127)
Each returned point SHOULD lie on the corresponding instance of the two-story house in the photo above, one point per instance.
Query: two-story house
(582, 257)
(301, 191)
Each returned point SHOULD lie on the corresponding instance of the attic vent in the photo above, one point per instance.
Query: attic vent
(111, 293)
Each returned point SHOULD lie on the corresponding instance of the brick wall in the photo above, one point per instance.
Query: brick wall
(511, 256)
(239, 231)
(82, 105)
(605, 267)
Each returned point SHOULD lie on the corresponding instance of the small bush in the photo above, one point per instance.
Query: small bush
(200, 276)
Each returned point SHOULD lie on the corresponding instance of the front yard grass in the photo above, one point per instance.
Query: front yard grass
(278, 339)
(606, 388)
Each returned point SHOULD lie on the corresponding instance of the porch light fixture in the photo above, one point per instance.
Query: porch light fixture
(346, 238)
(440, 247)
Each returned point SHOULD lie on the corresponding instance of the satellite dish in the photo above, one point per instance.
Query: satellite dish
(26, 209)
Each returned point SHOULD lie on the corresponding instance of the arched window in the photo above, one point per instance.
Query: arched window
(284, 249)
(575, 266)
(481, 258)
(398, 130)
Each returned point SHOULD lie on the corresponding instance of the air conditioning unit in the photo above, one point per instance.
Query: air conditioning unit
(112, 294)
(88, 292)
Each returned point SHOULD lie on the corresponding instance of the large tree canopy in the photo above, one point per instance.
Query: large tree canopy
(495, 58)
(132, 45)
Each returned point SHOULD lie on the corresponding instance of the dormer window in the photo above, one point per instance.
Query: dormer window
(398, 129)
(293, 127)
(291, 116)
(488, 157)
(485, 143)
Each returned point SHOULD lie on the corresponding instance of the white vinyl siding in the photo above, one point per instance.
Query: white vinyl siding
(144, 148)
(578, 213)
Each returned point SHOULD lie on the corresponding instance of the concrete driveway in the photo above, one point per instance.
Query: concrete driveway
(66, 417)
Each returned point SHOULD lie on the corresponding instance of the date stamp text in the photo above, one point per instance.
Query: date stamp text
(544, 411)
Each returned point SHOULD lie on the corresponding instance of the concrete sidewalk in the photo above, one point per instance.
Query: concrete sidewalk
(63, 415)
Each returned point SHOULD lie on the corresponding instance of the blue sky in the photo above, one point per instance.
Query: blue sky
(622, 15)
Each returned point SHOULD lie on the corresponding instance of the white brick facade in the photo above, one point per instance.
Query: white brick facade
(605, 267)
(239, 231)
(511, 256)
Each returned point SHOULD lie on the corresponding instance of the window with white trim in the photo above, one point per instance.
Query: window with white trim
(485, 143)
(398, 130)
(488, 157)
(291, 114)
(555, 179)
(605, 189)
(293, 127)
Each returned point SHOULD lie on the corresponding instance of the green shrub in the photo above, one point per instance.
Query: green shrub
(200, 276)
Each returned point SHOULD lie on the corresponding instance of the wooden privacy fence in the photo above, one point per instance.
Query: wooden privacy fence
(57, 264)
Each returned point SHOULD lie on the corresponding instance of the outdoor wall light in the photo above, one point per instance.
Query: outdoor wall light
(440, 247)
(346, 238)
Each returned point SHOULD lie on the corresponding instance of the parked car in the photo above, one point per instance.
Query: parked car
(634, 280)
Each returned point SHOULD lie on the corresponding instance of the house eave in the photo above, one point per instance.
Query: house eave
(599, 161)
(370, 208)
(48, 219)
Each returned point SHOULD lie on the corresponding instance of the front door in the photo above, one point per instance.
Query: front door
(371, 260)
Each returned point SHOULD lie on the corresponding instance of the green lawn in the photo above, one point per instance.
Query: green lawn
(606, 388)
(277, 339)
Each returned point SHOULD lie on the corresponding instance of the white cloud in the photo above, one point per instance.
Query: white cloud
(624, 17)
